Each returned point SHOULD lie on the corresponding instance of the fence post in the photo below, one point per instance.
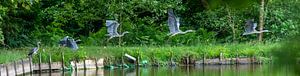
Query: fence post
(49, 63)
(75, 62)
(203, 62)
(0, 69)
(237, 59)
(62, 61)
(84, 65)
(30, 65)
(40, 61)
(15, 68)
(221, 59)
(7, 71)
(23, 69)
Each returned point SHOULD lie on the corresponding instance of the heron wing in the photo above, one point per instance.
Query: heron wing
(32, 51)
(74, 45)
(177, 25)
(110, 28)
(248, 26)
(115, 28)
(254, 26)
(171, 21)
(64, 40)
(69, 43)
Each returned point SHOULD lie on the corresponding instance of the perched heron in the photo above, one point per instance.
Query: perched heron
(112, 29)
(250, 28)
(174, 24)
(63, 42)
(34, 50)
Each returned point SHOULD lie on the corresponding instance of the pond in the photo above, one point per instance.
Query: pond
(200, 70)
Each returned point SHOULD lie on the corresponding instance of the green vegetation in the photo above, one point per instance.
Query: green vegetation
(160, 54)
(23, 23)
(218, 25)
(11, 55)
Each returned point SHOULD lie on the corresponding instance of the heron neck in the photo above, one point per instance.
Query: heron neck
(38, 45)
(123, 33)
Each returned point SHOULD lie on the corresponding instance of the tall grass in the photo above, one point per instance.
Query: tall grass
(11, 55)
(150, 53)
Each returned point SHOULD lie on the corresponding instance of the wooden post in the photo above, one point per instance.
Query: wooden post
(0, 69)
(62, 61)
(221, 58)
(40, 61)
(23, 69)
(15, 67)
(122, 61)
(252, 60)
(75, 62)
(50, 62)
(96, 65)
(30, 65)
(237, 59)
(187, 61)
(203, 60)
(137, 60)
(84, 65)
(7, 71)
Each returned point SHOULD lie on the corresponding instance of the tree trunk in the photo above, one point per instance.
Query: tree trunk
(261, 20)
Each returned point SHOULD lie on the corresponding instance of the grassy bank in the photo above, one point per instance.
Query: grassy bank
(159, 54)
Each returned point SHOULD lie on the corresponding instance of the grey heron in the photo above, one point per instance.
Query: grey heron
(34, 50)
(174, 24)
(63, 42)
(250, 28)
(71, 43)
(112, 29)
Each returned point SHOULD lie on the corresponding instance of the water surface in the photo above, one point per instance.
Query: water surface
(207, 70)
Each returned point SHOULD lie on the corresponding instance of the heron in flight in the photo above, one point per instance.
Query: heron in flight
(34, 50)
(250, 28)
(64, 41)
(174, 24)
(72, 44)
(69, 42)
(112, 29)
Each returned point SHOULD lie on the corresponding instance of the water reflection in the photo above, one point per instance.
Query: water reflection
(208, 70)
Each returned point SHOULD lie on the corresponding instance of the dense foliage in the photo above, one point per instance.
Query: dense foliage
(23, 22)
